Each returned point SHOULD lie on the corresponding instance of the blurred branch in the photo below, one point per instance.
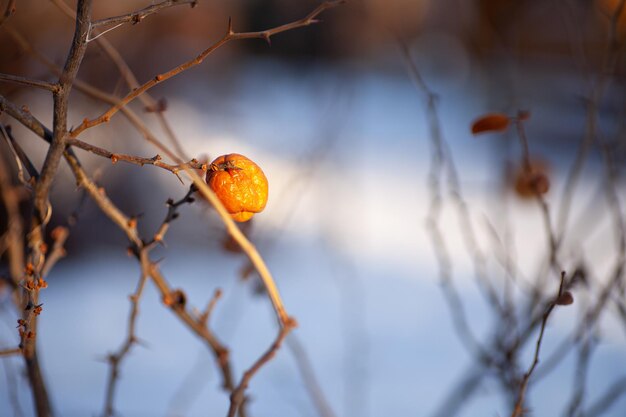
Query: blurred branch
(15, 227)
(463, 389)
(545, 210)
(311, 383)
(518, 410)
(604, 403)
(115, 359)
(137, 16)
(16, 79)
(10, 352)
(59, 235)
(8, 11)
(438, 162)
(582, 370)
(21, 159)
(596, 93)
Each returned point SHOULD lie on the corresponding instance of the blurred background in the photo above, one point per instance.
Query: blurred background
(331, 114)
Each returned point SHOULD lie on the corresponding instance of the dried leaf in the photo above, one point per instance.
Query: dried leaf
(565, 299)
(492, 122)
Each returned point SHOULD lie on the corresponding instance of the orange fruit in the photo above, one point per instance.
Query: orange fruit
(240, 185)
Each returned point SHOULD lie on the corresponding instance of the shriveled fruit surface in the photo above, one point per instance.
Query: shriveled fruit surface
(240, 185)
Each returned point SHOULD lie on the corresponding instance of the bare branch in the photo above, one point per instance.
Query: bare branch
(16, 79)
(136, 160)
(238, 397)
(519, 405)
(21, 159)
(15, 227)
(137, 16)
(311, 383)
(172, 214)
(10, 352)
(66, 79)
(10, 9)
(59, 235)
(115, 359)
(604, 403)
(229, 36)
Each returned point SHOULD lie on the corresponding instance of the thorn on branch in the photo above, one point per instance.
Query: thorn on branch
(230, 26)
(267, 37)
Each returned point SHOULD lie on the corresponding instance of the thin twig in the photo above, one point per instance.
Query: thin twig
(519, 405)
(136, 160)
(10, 352)
(438, 162)
(59, 131)
(21, 159)
(59, 235)
(311, 383)
(172, 214)
(229, 36)
(16, 79)
(238, 397)
(8, 11)
(137, 16)
(115, 359)
(154, 106)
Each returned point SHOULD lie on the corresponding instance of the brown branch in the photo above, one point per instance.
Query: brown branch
(126, 225)
(136, 160)
(25, 118)
(130, 115)
(16, 79)
(220, 352)
(172, 214)
(21, 159)
(518, 409)
(8, 11)
(137, 16)
(172, 297)
(10, 352)
(152, 105)
(98, 194)
(15, 227)
(208, 311)
(238, 395)
(229, 36)
(59, 235)
(231, 227)
(59, 136)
